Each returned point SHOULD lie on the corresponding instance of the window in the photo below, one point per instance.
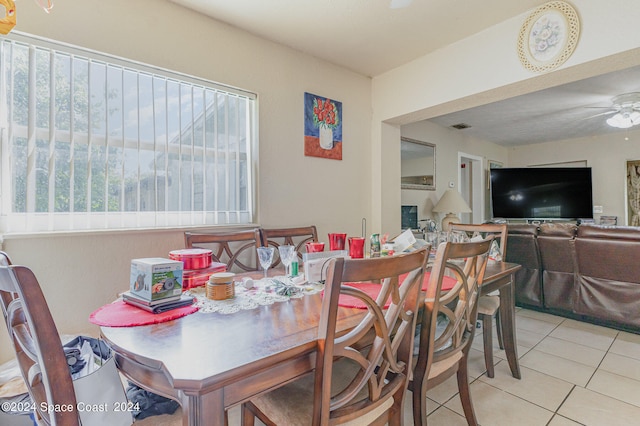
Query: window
(96, 142)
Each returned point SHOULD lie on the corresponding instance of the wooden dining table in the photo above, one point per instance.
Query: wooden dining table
(210, 362)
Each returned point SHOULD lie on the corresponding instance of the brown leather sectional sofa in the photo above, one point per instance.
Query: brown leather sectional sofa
(586, 272)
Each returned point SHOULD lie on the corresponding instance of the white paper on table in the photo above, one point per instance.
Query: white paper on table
(403, 241)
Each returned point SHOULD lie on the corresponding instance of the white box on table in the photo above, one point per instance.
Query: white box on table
(155, 278)
(315, 264)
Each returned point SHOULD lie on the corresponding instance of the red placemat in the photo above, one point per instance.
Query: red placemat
(121, 314)
(447, 282)
(373, 289)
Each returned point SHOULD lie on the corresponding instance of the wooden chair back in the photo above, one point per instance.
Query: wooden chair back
(6, 297)
(498, 230)
(37, 344)
(381, 371)
(236, 249)
(297, 237)
(448, 320)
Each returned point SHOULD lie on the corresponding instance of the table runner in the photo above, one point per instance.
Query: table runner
(263, 292)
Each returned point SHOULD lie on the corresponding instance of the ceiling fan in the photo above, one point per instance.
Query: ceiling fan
(626, 110)
(399, 4)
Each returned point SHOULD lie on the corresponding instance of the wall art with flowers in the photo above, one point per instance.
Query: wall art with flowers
(322, 127)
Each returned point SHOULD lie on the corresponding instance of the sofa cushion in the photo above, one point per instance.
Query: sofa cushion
(559, 229)
(522, 228)
(522, 248)
(609, 301)
(631, 233)
(608, 259)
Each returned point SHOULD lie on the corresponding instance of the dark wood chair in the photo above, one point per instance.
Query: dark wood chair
(37, 344)
(350, 383)
(236, 249)
(488, 305)
(297, 237)
(6, 297)
(448, 323)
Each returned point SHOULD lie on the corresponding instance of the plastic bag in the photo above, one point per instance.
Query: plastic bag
(100, 396)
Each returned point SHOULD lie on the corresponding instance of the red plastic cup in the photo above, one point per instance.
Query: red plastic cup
(336, 241)
(314, 247)
(356, 247)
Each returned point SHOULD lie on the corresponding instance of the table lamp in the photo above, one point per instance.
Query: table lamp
(451, 203)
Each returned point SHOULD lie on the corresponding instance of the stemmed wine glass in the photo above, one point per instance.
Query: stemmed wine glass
(287, 254)
(265, 256)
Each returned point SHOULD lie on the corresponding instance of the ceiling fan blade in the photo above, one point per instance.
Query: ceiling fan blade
(399, 4)
(600, 115)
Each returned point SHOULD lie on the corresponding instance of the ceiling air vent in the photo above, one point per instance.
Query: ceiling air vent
(461, 126)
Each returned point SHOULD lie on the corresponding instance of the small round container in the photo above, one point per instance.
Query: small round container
(194, 258)
(220, 286)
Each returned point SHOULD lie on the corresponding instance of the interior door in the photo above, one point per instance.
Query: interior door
(471, 186)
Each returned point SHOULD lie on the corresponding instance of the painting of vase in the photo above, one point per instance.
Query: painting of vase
(322, 127)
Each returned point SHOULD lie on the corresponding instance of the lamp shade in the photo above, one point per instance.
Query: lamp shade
(451, 203)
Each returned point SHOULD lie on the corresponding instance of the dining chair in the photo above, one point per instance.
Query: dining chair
(39, 352)
(5, 297)
(38, 347)
(355, 383)
(236, 249)
(447, 324)
(297, 237)
(489, 305)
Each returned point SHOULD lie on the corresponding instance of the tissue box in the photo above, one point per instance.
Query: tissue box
(156, 278)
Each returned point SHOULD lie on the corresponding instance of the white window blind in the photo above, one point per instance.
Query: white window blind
(96, 142)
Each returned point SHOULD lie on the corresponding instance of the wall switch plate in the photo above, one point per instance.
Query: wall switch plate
(597, 209)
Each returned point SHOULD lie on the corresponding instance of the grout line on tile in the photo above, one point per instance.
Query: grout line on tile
(601, 361)
(565, 400)
(563, 417)
(530, 402)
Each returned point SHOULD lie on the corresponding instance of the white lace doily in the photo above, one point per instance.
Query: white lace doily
(263, 292)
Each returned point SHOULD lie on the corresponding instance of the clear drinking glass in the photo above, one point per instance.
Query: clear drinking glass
(287, 254)
(265, 256)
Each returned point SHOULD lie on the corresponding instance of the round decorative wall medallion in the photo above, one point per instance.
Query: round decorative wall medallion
(548, 36)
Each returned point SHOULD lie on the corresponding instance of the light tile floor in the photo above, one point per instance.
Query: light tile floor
(573, 373)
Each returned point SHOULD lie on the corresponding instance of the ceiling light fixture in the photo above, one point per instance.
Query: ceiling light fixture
(627, 109)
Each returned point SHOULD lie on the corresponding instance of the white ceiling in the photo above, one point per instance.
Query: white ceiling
(370, 38)
(570, 111)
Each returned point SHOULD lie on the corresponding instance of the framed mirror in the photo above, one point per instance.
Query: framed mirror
(417, 164)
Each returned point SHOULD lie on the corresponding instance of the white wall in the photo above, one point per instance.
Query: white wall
(481, 69)
(449, 142)
(607, 156)
(80, 272)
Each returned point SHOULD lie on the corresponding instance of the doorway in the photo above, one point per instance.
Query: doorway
(471, 184)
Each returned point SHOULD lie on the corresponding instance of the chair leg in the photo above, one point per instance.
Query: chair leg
(465, 393)
(487, 340)
(419, 394)
(499, 330)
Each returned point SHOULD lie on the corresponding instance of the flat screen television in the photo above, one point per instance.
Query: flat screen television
(542, 193)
